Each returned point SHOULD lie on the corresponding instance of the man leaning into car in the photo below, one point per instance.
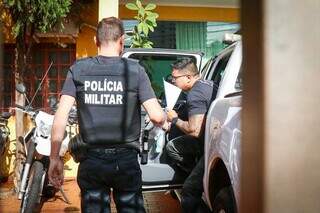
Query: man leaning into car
(186, 151)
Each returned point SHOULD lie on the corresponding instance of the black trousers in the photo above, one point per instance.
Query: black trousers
(191, 201)
(184, 152)
(111, 168)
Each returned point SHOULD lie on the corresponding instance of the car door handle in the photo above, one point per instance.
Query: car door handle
(233, 94)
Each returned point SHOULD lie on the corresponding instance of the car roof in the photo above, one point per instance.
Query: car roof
(163, 50)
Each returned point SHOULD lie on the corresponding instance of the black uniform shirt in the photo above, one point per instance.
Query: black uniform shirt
(145, 91)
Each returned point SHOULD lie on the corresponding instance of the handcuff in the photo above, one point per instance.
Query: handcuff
(174, 120)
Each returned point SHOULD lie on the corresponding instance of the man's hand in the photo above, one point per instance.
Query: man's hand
(166, 126)
(171, 114)
(56, 172)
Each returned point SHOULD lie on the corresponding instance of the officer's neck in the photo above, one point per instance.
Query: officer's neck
(109, 50)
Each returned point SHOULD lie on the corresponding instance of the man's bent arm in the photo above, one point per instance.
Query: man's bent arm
(193, 126)
(154, 111)
(59, 124)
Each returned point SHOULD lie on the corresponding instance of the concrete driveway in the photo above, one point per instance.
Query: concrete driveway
(155, 202)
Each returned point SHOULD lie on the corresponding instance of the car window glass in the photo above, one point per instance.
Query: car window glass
(219, 68)
(157, 68)
(238, 85)
(206, 69)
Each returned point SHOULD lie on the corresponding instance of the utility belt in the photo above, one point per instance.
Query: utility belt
(109, 150)
(79, 150)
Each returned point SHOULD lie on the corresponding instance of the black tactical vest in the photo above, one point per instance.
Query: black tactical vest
(107, 100)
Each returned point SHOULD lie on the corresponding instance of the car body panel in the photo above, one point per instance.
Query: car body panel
(223, 128)
(223, 134)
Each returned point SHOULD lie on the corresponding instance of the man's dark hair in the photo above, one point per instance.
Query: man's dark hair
(186, 65)
(109, 29)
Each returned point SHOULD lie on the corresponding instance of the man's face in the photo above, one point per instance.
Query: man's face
(180, 79)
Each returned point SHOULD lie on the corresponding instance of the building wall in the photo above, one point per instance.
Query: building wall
(85, 47)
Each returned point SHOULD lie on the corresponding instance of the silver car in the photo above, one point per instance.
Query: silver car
(223, 132)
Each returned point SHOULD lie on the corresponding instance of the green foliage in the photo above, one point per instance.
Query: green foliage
(146, 23)
(39, 15)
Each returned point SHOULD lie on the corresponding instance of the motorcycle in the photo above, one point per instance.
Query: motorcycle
(4, 131)
(4, 139)
(35, 185)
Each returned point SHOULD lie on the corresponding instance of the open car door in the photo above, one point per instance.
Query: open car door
(157, 174)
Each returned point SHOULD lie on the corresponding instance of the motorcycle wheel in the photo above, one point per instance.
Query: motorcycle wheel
(30, 201)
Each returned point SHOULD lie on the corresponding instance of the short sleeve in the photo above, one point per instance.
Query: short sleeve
(69, 87)
(145, 90)
(197, 103)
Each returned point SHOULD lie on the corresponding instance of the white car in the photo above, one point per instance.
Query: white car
(223, 132)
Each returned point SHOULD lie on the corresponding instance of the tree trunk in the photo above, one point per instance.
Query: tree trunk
(20, 153)
(20, 63)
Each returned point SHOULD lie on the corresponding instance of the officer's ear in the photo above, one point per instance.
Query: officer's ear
(96, 41)
(122, 40)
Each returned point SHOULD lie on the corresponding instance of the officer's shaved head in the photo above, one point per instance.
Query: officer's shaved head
(109, 29)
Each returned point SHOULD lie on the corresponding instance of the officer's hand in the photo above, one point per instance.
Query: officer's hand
(171, 114)
(56, 172)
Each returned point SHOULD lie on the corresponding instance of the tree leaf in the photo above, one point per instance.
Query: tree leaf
(151, 19)
(156, 15)
(145, 29)
(150, 7)
(10, 3)
(138, 3)
(136, 43)
(141, 12)
(140, 27)
(151, 28)
(146, 45)
(132, 6)
(16, 29)
(130, 33)
(152, 14)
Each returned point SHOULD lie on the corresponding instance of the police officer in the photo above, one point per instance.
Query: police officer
(186, 152)
(108, 91)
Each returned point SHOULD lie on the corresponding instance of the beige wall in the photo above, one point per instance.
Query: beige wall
(280, 171)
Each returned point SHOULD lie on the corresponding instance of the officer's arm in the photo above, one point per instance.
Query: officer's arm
(193, 126)
(59, 124)
(154, 111)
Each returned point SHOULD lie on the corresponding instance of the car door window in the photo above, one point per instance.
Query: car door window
(238, 85)
(157, 66)
(217, 71)
(206, 69)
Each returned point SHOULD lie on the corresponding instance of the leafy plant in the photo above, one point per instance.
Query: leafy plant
(146, 23)
(26, 17)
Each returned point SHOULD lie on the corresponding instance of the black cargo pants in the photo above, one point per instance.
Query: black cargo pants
(110, 168)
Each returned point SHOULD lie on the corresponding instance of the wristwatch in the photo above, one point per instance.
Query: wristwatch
(174, 120)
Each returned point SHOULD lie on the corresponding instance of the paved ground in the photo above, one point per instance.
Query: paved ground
(156, 202)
